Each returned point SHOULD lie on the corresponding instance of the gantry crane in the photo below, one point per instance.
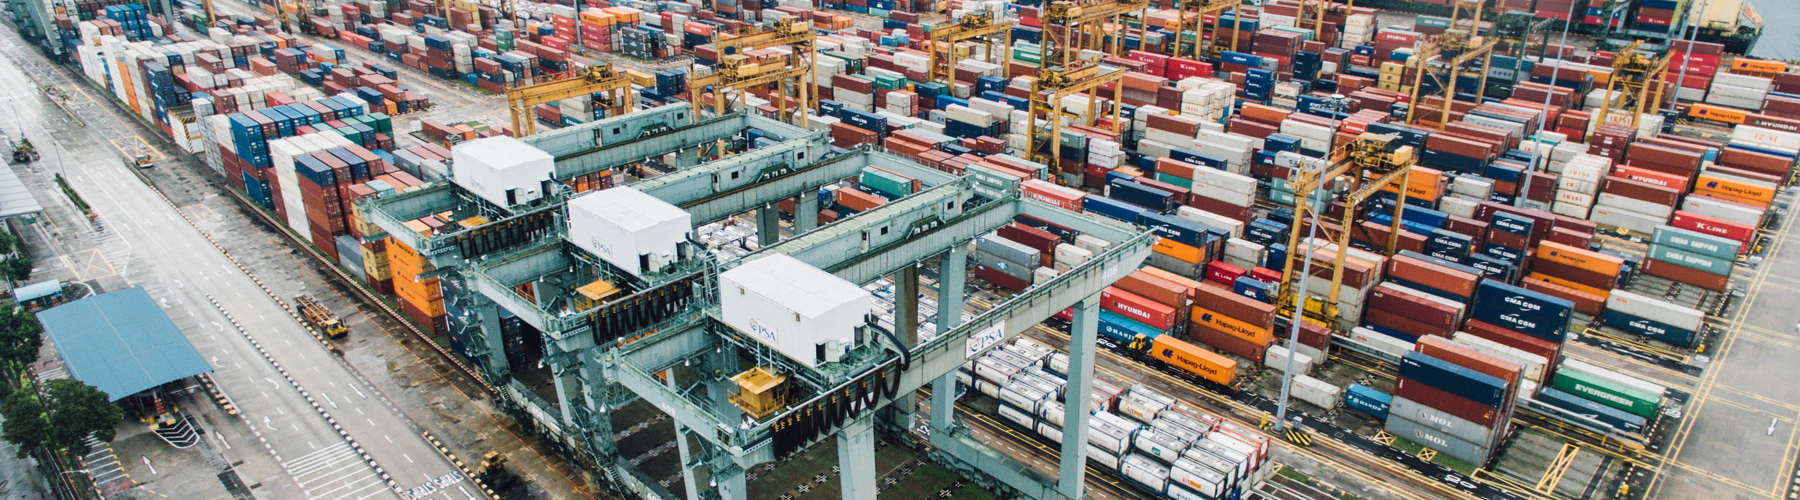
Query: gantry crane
(1358, 170)
(1638, 79)
(1461, 46)
(799, 74)
(600, 78)
(1070, 26)
(1193, 20)
(1052, 84)
(974, 26)
(1518, 32)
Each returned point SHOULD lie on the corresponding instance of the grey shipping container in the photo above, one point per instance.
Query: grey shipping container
(1431, 438)
(1010, 250)
(1438, 419)
(1696, 242)
(1010, 268)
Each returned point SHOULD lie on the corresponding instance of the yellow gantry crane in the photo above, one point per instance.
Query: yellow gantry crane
(736, 72)
(1638, 80)
(1053, 83)
(1193, 20)
(1358, 170)
(975, 26)
(1453, 49)
(600, 78)
(1070, 26)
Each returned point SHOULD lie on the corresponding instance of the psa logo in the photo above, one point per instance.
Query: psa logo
(760, 330)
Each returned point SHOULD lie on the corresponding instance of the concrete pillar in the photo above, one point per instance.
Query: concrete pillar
(681, 446)
(856, 460)
(488, 320)
(949, 316)
(768, 225)
(806, 212)
(1083, 335)
(593, 398)
(906, 328)
(730, 484)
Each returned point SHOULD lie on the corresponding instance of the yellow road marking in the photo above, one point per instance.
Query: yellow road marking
(1704, 392)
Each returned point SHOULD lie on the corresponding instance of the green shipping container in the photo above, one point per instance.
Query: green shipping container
(381, 122)
(889, 184)
(1186, 183)
(1691, 260)
(1695, 242)
(1607, 392)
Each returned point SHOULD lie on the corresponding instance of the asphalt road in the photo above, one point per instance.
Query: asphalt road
(147, 242)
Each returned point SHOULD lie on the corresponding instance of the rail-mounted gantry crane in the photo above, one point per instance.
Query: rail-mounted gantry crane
(1637, 84)
(1193, 20)
(979, 26)
(797, 74)
(1358, 170)
(1447, 54)
(600, 78)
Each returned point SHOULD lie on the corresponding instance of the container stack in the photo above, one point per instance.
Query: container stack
(1691, 257)
(1609, 388)
(1006, 262)
(420, 299)
(1577, 183)
(1454, 399)
(1654, 318)
(1235, 324)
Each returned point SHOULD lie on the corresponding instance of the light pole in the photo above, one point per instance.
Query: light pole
(1336, 101)
(1525, 192)
(1685, 55)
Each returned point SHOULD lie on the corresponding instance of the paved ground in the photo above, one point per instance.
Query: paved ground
(1740, 439)
(143, 240)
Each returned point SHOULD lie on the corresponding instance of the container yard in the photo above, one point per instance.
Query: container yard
(1495, 249)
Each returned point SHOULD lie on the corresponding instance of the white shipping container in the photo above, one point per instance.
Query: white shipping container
(1141, 407)
(1742, 80)
(1532, 364)
(1022, 396)
(1238, 459)
(1458, 206)
(1098, 455)
(1379, 342)
(1629, 220)
(1204, 480)
(1765, 137)
(1163, 447)
(1146, 472)
(1051, 432)
(1613, 375)
(1010, 414)
(1227, 469)
(1109, 436)
(502, 170)
(1721, 209)
(634, 231)
(793, 307)
(1318, 392)
(1655, 309)
(1050, 411)
(1231, 227)
(1276, 357)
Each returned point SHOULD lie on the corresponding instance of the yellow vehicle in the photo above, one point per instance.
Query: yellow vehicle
(319, 317)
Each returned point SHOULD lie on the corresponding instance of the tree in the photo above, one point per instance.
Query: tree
(78, 410)
(20, 336)
(16, 268)
(25, 425)
(7, 241)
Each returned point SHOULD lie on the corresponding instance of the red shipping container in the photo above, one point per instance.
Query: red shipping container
(1231, 344)
(1457, 406)
(1443, 278)
(1219, 298)
(1389, 297)
(1713, 226)
(1044, 191)
(1696, 277)
(1138, 308)
(1151, 287)
(1652, 177)
(1402, 323)
(1505, 336)
(1000, 278)
(1223, 272)
(1469, 358)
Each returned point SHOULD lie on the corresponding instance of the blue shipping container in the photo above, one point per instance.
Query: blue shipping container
(1175, 228)
(1578, 405)
(1121, 329)
(1649, 328)
(1472, 385)
(1368, 400)
(1111, 208)
(1536, 306)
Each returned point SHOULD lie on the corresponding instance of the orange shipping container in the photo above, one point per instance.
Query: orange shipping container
(1752, 193)
(1236, 327)
(1181, 251)
(1579, 257)
(1208, 365)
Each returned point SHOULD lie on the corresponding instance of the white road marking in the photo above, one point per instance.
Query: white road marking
(221, 438)
(271, 427)
(408, 458)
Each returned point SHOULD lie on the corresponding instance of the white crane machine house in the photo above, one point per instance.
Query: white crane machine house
(502, 170)
(629, 229)
(804, 313)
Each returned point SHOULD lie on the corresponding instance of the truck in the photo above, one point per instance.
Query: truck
(316, 315)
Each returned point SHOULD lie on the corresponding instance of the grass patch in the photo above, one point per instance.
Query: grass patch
(1291, 473)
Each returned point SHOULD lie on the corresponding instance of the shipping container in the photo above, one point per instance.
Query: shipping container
(1431, 438)
(1368, 400)
(1458, 380)
(1186, 357)
(1608, 392)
